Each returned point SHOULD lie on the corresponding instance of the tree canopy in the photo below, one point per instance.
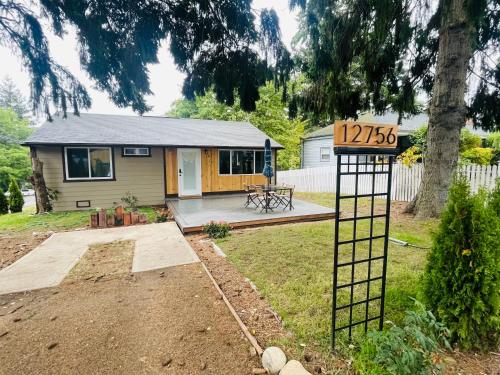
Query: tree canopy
(270, 115)
(214, 42)
(14, 159)
(377, 55)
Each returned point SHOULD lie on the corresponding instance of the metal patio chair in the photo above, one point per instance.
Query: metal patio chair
(252, 196)
(284, 196)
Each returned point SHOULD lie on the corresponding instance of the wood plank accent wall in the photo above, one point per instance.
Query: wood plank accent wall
(211, 182)
(171, 172)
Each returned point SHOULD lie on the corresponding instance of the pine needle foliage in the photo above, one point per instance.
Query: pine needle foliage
(461, 281)
(214, 43)
(16, 200)
(4, 205)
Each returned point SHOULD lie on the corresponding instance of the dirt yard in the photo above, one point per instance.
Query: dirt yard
(266, 325)
(13, 247)
(170, 321)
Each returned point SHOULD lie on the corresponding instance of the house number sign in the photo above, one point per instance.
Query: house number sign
(362, 134)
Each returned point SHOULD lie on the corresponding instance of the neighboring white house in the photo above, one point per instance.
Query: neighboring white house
(317, 146)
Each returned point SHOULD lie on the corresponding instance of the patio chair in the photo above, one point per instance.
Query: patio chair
(259, 198)
(252, 197)
(284, 196)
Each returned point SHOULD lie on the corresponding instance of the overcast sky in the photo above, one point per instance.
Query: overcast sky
(166, 81)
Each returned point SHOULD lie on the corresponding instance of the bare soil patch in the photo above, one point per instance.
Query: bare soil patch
(170, 321)
(104, 261)
(262, 321)
(13, 247)
(266, 326)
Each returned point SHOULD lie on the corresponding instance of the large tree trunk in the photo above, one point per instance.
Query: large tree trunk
(447, 110)
(41, 193)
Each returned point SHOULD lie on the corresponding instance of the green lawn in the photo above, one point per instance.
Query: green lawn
(292, 266)
(56, 221)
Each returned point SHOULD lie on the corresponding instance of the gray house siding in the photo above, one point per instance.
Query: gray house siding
(311, 152)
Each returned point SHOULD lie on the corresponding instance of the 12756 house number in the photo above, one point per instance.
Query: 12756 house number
(361, 134)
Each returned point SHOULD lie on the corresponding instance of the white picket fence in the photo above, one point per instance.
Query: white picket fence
(405, 181)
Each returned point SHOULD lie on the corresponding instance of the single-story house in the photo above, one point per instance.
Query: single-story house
(94, 160)
(317, 146)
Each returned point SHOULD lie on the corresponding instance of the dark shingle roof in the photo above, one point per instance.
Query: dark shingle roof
(94, 129)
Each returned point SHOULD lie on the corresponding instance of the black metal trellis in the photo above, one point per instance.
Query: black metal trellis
(369, 164)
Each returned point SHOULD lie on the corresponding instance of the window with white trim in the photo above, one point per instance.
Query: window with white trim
(241, 162)
(324, 153)
(136, 151)
(88, 163)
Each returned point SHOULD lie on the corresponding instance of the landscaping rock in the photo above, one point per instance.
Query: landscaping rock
(273, 359)
(294, 368)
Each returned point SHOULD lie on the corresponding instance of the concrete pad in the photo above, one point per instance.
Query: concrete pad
(163, 247)
(156, 246)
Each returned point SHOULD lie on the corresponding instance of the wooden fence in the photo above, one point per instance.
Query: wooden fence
(405, 181)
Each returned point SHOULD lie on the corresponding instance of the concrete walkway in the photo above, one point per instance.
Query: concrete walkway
(156, 246)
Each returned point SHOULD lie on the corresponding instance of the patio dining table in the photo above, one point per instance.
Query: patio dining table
(268, 189)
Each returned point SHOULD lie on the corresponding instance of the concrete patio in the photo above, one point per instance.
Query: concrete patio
(192, 214)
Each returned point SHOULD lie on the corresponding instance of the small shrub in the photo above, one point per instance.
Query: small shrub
(461, 279)
(130, 200)
(161, 217)
(478, 155)
(217, 229)
(410, 157)
(4, 204)
(16, 200)
(412, 349)
(469, 140)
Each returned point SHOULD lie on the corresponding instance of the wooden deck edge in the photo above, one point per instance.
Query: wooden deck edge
(264, 222)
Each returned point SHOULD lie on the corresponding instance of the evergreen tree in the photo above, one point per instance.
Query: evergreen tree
(213, 42)
(4, 204)
(16, 200)
(461, 279)
(378, 55)
(11, 97)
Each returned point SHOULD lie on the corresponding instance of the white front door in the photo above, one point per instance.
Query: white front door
(189, 170)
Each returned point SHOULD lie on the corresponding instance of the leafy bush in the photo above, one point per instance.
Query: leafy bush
(16, 200)
(461, 280)
(217, 229)
(4, 204)
(419, 138)
(130, 200)
(412, 349)
(411, 156)
(478, 155)
(469, 140)
(493, 141)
